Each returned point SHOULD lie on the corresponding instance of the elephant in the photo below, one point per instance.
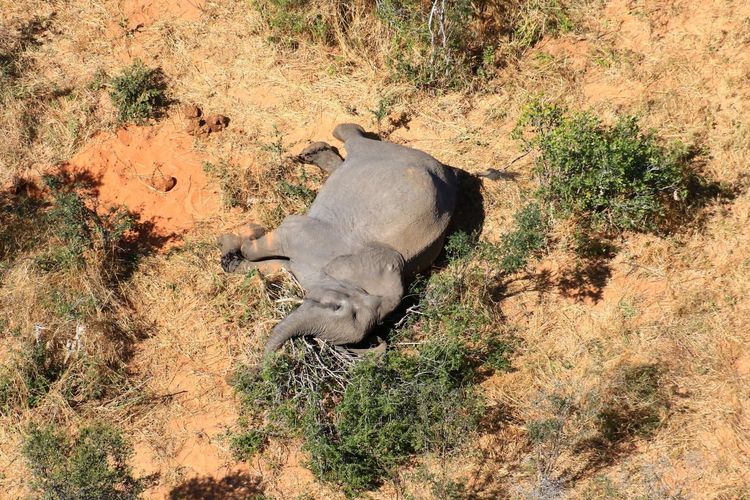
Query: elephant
(380, 217)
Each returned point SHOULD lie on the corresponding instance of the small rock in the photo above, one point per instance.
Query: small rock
(190, 111)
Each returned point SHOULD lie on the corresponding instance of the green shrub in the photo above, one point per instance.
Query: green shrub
(460, 246)
(608, 178)
(527, 239)
(80, 229)
(381, 411)
(93, 465)
(138, 93)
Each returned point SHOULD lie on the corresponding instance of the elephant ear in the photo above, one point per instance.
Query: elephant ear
(377, 270)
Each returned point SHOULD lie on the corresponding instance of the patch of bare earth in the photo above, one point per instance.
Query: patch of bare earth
(155, 172)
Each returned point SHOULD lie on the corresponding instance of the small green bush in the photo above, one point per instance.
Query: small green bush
(527, 239)
(91, 466)
(80, 229)
(138, 93)
(608, 178)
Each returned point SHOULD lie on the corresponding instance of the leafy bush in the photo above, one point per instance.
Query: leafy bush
(384, 410)
(607, 178)
(138, 93)
(527, 239)
(80, 229)
(93, 465)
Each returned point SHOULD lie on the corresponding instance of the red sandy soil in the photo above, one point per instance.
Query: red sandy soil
(146, 12)
(134, 166)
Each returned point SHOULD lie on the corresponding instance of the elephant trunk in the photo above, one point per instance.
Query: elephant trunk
(294, 325)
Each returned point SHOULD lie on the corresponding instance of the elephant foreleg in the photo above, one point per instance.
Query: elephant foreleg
(270, 266)
(265, 247)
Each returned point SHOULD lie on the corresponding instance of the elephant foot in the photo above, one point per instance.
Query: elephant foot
(234, 262)
(322, 155)
(231, 261)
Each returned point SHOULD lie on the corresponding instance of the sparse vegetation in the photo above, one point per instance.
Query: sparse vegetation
(92, 465)
(527, 239)
(138, 93)
(28, 378)
(72, 337)
(431, 45)
(633, 403)
(609, 370)
(609, 179)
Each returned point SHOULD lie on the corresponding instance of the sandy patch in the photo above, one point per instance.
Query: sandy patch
(146, 12)
(135, 166)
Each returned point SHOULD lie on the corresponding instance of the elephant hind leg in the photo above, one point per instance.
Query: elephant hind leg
(265, 247)
(346, 131)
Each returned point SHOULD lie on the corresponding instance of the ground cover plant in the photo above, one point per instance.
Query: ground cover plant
(138, 93)
(608, 178)
(91, 465)
(74, 344)
(428, 44)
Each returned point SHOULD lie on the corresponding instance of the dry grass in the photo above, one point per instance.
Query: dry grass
(679, 303)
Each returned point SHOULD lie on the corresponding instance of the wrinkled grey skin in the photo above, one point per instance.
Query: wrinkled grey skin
(380, 218)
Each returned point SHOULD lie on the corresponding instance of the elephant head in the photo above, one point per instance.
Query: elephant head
(357, 292)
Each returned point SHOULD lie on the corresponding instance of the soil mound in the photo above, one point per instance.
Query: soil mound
(154, 172)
